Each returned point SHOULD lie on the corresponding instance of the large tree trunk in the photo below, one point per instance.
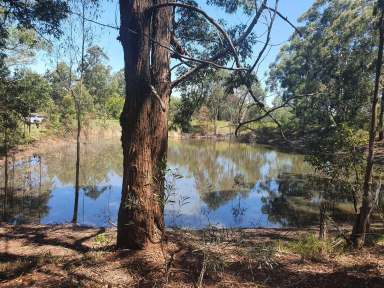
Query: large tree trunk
(144, 122)
(362, 220)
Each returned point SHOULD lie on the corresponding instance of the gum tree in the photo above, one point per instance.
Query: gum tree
(152, 32)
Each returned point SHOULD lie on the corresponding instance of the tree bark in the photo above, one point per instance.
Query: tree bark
(144, 122)
(5, 203)
(362, 220)
(323, 221)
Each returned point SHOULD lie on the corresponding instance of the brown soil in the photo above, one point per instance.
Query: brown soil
(70, 256)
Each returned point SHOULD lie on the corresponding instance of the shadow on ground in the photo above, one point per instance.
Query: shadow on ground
(70, 256)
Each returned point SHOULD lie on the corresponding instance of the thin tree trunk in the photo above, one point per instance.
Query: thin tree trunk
(215, 123)
(13, 179)
(77, 184)
(381, 128)
(362, 219)
(5, 174)
(323, 221)
(78, 116)
(144, 123)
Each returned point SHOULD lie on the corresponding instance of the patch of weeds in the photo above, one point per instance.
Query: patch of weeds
(212, 264)
(215, 263)
(263, 255)
(102, 239)
(310, 247)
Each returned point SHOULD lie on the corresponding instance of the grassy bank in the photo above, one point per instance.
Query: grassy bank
(42, 137)
(70, 256)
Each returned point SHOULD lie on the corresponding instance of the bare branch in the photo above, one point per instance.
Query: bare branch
(95, 22)
(285, 18)
(267, 40)
(177, 55)
(266, 114)
(179, 64)
(221, 53)
(158, 98)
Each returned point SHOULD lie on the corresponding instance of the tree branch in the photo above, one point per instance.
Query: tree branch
(158, 98)
(285, 18)
(267, 40)
(224, 51)
(207, 62)
(266, 114)
(209, 19)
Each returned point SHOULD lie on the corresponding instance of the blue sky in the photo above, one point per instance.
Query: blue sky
(106, 37)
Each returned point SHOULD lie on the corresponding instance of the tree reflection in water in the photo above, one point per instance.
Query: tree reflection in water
(294, 200)
(225, 184)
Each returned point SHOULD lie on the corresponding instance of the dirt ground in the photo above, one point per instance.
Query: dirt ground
(71, 256)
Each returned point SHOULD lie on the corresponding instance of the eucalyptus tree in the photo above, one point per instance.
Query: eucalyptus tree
(369, 196)
(151, 33)
(328, 71)
(328, 76)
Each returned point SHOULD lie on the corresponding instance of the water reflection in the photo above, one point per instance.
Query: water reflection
(222, 183)
(295, 200)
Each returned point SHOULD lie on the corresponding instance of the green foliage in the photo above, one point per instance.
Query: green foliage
(60, 81)
(32, 91)
(215, 97)
(329, 70)
(22, 46)
(233, 6)
(184, 111)
(336, 151)
(44, 16)
(115, 106)
(102, 239)
(24, 92)
(84, 98)
(97, 75)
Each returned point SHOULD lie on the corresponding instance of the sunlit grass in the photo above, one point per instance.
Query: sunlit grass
(310, 247)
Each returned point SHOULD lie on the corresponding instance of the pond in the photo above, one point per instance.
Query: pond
(208, 183)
